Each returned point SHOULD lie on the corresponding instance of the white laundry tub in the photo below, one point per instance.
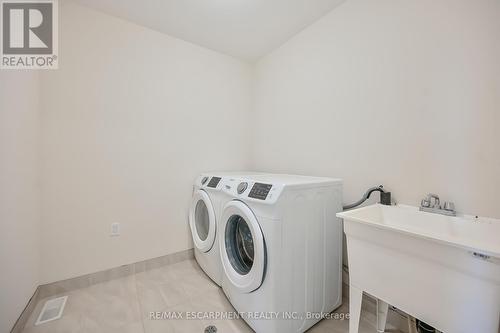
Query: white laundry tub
(442, 270)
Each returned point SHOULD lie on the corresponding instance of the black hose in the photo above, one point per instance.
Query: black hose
(385, 197)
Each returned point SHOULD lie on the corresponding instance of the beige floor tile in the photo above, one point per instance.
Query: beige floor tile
(68, 323)
(124, 305)
(93, 327)
(110, 291)
(188, 326)
(210, 301)
(156, 276)
(150, 300)
(181, 323)
(173, 294)
(160, 297)
(80, 301)
(229, 326)
(114, 315)
(185, 268)
(158, 326)
(196, 284)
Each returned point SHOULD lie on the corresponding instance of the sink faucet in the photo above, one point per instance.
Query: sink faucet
(431, 204)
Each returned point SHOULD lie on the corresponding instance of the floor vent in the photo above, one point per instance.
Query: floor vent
(52, 310)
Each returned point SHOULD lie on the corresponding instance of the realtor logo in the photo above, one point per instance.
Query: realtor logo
(29, 34)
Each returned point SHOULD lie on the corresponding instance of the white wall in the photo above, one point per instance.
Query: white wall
(129, 120)
(402, 93)
(19, 193)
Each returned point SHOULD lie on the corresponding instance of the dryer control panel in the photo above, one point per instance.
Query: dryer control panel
(214, 181)
(208, 182)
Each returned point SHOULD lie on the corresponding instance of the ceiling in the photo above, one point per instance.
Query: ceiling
(245, 29)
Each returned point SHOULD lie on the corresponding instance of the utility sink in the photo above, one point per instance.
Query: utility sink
(443, 270)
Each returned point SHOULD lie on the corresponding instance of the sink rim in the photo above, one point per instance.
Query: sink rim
(492, 250)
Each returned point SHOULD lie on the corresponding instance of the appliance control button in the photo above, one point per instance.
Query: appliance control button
(242, 187)
(204, 180)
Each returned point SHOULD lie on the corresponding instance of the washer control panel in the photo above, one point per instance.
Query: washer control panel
(260, 191)
(249, 190)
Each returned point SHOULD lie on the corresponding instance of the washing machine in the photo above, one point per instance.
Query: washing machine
(281, 249)
(204, 215)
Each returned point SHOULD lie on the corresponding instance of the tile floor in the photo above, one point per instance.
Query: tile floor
(124, 305)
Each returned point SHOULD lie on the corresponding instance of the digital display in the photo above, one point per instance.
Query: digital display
(260, 191)
(214, 182)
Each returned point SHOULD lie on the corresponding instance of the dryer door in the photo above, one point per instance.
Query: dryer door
(202, 221)
(242, 245)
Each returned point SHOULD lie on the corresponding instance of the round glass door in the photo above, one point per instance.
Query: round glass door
(202, 221)
(239, 244)
(242, 247)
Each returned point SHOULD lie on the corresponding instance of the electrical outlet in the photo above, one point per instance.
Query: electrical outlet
(115, 229)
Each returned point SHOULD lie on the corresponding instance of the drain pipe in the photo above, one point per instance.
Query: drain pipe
(385, 197)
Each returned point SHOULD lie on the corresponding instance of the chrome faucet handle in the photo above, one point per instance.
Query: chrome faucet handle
(425, 203)
(431, 196)
(449, 206)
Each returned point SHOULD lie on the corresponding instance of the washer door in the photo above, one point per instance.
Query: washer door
(243, 249)
(202, 221)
